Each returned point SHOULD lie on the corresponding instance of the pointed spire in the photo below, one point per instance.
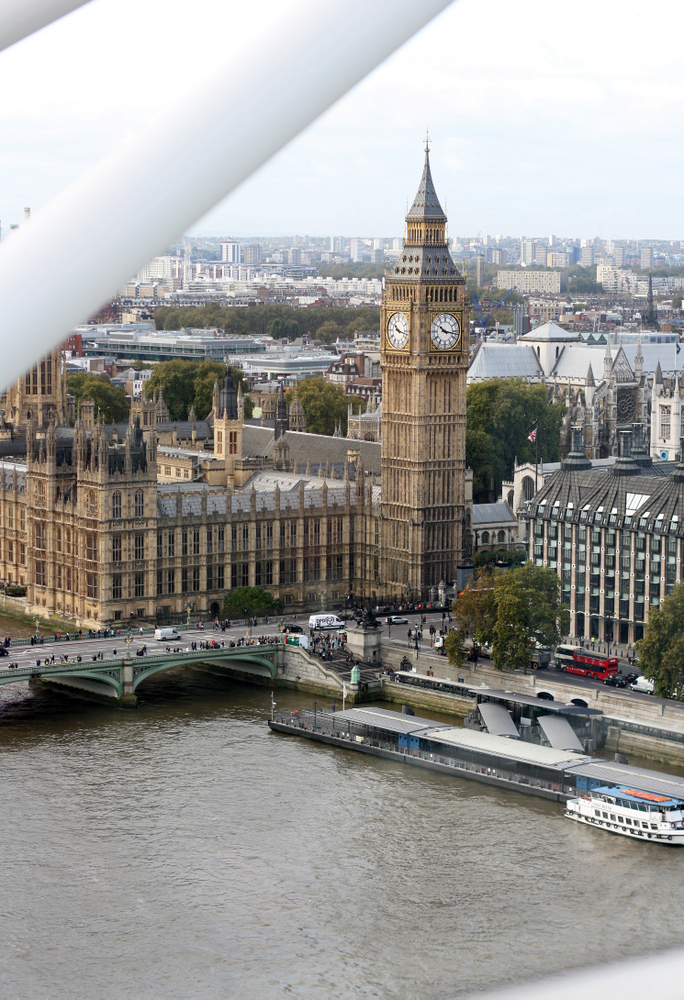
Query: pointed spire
(589, 380)
(607, 360)
(308, 466)
(658, 374)
(426, 203)
(638, 358)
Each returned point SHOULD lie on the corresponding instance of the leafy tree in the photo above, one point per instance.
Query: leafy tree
(328, 332)
(186, 384)
(475, 610)
(110, 400)
(324, 405)
(338, 271)
(500, 415)
(661, 651)
(253, 600)
(279, 328)
(257, 319)
(453, 647)
(248, 404)
(528, 610)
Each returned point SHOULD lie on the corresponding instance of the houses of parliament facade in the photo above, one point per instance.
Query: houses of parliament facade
(87, 527)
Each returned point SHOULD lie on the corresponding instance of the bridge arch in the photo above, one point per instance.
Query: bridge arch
(245, 659)
(545, 696)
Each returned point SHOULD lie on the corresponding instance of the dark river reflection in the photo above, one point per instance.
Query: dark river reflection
(183, 850)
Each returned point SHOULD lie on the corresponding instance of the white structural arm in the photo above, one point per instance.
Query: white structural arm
(136, 201)
(19, 18)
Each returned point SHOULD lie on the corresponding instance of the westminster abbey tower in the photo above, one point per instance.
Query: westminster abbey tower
(424, 356)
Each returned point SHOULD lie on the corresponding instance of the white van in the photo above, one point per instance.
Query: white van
(642, 684)
(325, 621)
(167, 634)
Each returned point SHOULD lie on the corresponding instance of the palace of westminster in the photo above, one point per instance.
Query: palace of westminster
(96, 531)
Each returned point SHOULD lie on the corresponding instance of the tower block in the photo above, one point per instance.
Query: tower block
(228, 413)
(424, 358)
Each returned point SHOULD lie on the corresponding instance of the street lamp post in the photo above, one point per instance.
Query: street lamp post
(188, 608)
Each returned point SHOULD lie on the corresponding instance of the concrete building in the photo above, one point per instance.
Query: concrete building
(614, 538)
(647, 258)
(533, 282)
(231, 251)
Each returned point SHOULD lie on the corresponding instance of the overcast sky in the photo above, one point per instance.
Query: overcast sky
(544, 118)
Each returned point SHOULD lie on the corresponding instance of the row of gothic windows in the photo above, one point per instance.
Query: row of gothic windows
(139, 505)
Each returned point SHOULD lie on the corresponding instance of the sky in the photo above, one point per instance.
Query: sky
(544, 118)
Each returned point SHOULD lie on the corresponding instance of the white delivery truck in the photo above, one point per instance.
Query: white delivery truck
(325, 621)
(167, 634)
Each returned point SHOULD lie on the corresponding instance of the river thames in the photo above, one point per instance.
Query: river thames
(183, 850)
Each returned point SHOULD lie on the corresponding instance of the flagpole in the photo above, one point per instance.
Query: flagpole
(536, 460)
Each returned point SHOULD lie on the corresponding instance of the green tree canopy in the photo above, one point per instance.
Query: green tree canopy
(284, 327)
(511, 610)
(661, 651)
(109, 399)
(324, 405)
(328, 332)
(253, 600)
(256, 320)
(186, 384)
(500, 415)
(528, 610)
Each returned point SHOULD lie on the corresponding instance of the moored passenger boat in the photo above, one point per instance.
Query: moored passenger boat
(631, 813)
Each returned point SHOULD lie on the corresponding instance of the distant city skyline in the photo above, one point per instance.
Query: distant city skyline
(539, 122)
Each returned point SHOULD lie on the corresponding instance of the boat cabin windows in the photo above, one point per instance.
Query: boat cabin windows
(628, 821)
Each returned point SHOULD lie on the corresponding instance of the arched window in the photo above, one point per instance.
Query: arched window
(139, 503)
(116, 506)
(528, 487)
(40, 495)
(485, 537)
(502, 536)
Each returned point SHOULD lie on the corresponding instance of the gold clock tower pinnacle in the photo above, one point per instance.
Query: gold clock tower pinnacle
(424, 335)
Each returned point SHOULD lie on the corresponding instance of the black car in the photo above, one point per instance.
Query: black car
(616, 681)
(4, 651)
(293, 628)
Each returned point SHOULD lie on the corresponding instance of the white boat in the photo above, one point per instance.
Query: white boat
(632, 813)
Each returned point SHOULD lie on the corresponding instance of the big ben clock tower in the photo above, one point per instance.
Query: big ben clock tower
(424, 335)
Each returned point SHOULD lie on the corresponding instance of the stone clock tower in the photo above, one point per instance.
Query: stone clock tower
(424, 356)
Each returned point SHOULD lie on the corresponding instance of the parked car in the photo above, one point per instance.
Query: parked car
(397, 620)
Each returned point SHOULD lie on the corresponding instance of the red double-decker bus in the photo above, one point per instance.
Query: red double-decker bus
(585, 662)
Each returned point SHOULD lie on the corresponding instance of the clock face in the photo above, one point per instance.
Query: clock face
(445, 331)
(398, 330)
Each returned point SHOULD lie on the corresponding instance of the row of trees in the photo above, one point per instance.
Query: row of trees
(277, 321)
(110, 401)
(187, 384)
(510, 611)
(501, 413)
(325, 405)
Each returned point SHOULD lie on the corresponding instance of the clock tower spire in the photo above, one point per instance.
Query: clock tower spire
(424, 357)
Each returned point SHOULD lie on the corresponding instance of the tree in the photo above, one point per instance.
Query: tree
(661, 651)
(110, 400)
(257, 320)
(475, 610)
(248, 404)
(253, 600)
(186, 384)
(279, 328)
(328, 332)
(324, 404)
(453, 647)
(500, 415)
(528, 610)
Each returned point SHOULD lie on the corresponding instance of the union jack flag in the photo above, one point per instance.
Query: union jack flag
(533, 436)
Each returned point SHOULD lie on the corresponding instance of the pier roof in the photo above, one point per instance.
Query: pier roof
(391, 722)
(609, 772)
(528, 699)
(503, 746)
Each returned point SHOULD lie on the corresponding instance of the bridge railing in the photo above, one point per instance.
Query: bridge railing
(79, 635)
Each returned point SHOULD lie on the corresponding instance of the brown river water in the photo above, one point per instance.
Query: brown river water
(183, 850)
